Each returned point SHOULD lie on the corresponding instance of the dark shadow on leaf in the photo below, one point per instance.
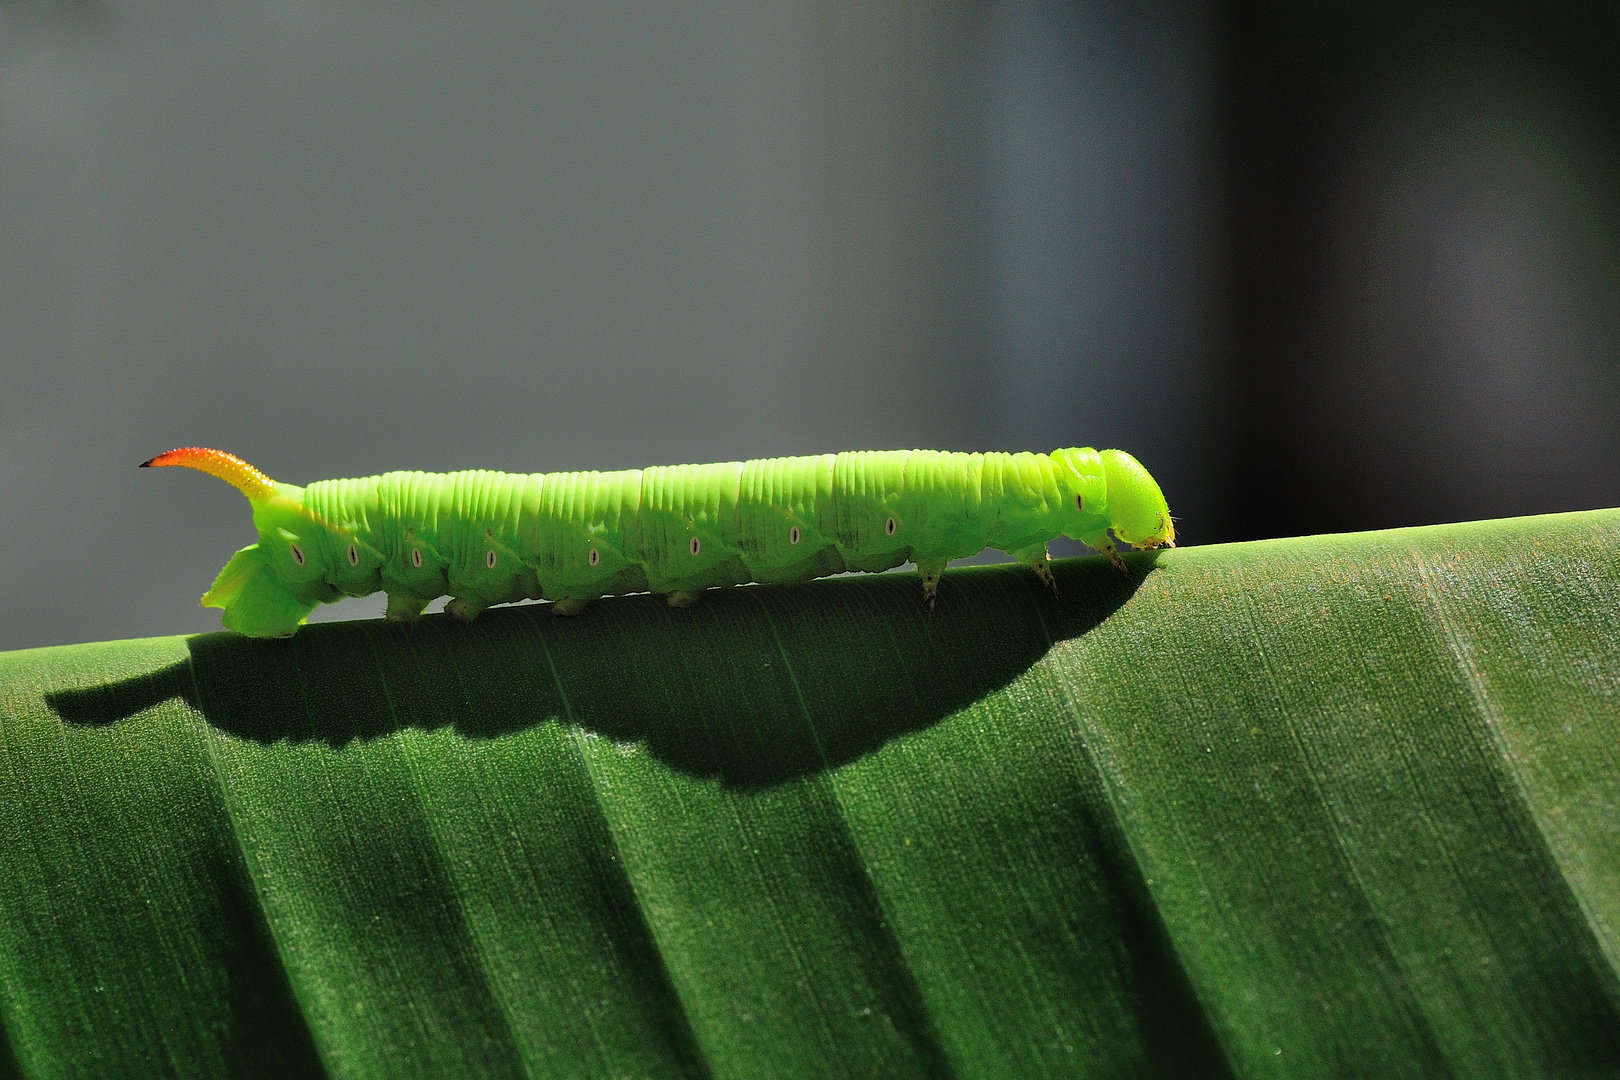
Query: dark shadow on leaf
(9, 1069)
(760, 685)
(98, 706)
(267, 1035)
(754, 686)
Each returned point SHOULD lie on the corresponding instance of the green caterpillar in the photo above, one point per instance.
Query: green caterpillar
(488, 537)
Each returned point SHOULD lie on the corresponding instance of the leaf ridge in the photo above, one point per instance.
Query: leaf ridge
(926, 1041)
(209, 736)
(582, 759)
(411, 754)
(1493, 719)
(1124, 837)
(1307, 754)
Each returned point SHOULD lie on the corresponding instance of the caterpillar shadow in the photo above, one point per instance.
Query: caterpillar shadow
(754, 686)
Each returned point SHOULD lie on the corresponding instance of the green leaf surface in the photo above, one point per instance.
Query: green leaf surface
(1335, 806)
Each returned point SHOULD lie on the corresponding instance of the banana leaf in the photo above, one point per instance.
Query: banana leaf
(1322, 807)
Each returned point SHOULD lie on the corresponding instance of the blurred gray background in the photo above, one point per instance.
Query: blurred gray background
(1348, 268)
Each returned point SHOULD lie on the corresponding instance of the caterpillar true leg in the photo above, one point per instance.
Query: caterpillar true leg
(1038, 560)
(1112, 555)
(683, 597)
(568, 605)
(1103, 544)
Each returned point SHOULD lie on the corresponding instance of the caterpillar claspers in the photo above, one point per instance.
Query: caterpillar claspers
(487, 538)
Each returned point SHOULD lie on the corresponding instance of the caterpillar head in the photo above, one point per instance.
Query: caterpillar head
(268, 588)
(1136, 508)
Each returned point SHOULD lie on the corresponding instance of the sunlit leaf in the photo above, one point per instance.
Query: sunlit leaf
(1337, 806)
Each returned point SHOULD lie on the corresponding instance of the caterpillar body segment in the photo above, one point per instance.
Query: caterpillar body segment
(486, 538)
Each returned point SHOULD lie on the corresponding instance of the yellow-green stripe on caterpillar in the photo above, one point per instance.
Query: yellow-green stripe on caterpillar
(487, 538)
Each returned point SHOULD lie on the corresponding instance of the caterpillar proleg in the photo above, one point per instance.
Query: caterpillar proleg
(487, 538)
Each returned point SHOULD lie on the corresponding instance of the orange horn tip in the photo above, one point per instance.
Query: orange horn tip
(228, 467)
